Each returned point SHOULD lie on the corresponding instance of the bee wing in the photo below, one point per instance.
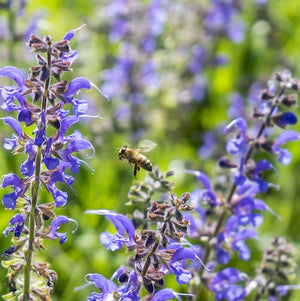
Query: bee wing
(146, 145)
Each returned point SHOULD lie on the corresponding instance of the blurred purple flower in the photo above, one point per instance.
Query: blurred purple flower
(225, 285)
(284, 156)
(234, 145)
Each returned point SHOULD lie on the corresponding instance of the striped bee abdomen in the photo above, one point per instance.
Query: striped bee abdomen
(146, 164)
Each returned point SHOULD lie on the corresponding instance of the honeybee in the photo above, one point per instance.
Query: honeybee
(135, 157)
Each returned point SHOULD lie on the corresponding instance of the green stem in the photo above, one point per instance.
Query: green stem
(35, 186)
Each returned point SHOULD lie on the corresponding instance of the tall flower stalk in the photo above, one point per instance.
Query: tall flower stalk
(48, 154)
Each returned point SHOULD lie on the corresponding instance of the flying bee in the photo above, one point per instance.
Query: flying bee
(133, 156)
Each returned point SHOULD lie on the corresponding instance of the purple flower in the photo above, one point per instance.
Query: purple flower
(284, 156)
(235, 145)
(79, 105)
(233, 239)
(225, 285)
(60, 197)
(207, 194)
(18, 220)
(107, 287)
(49, 161)
(261, 166)
(55, 225)
(41, 130)
(285, 119)
(209, 145)
(123, 225)
(164, 294)
(177, 264)
(9, 94)
(27, 167)
(128, 291)
(9, 200)
(245, 211)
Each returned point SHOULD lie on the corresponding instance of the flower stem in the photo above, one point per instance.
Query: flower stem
(35, 186)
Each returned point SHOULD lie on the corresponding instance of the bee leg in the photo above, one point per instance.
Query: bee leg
(135, 169)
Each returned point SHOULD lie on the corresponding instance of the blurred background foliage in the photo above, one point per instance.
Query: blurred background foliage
(176, 71)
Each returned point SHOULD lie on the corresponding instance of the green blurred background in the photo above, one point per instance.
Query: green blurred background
(271, 43)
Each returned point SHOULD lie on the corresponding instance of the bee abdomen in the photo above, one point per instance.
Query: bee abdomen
(146, 164)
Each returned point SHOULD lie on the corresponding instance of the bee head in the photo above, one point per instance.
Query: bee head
(121, 153)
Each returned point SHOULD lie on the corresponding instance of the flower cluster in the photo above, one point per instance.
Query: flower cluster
(157, 252)
(40, 135)
(236, 216)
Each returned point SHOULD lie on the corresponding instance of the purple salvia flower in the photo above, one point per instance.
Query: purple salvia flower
(107, 287)
(27, 167)
(41, 130)
(9, 94)
(224, 284)
(207, 194)
(17, 219)
(55, 225)
(284, 155)
(25, 116)
(9, 200)
(232, 238)
(60, 197)
(123, 225)
(49, 161)
(235, 145)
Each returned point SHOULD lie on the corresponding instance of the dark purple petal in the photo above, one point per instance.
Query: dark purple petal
(25, 116)
(13, 73)
(9, 200)
(284, 119)
(50, 162)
